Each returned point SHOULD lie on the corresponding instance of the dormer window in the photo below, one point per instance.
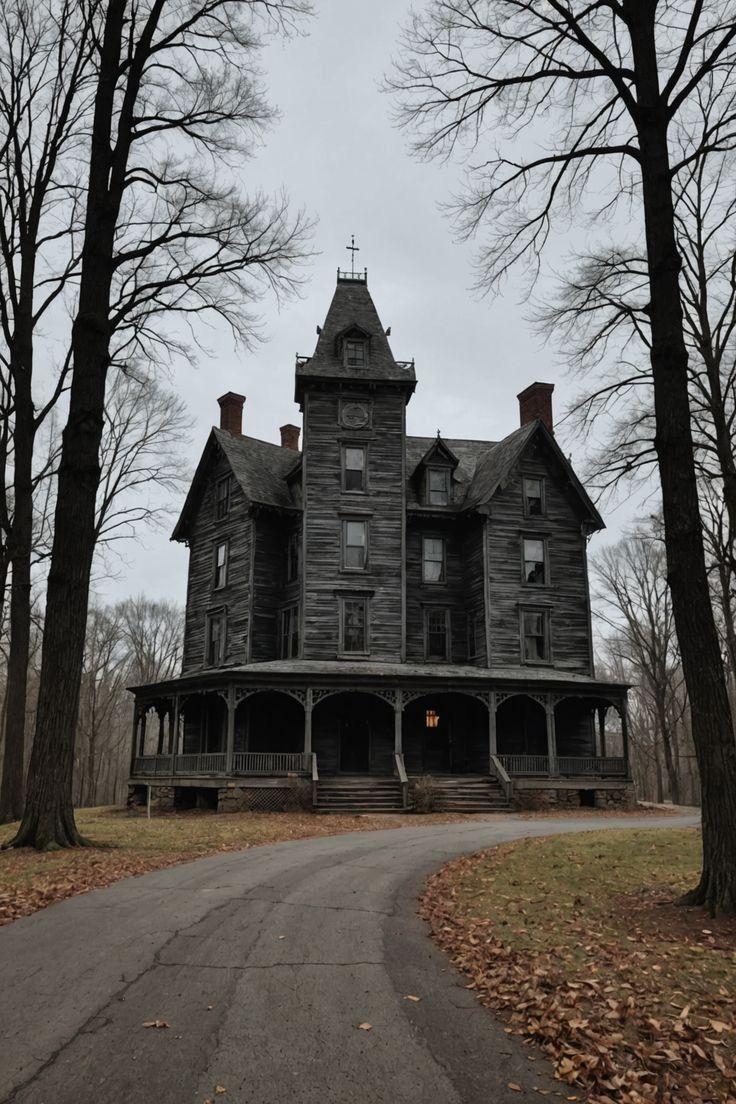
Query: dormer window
(438, 487)
(355, 354)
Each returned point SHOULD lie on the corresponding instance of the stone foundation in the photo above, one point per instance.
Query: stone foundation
(543, 797)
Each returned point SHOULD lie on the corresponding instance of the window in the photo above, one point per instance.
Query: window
(438, 486)
(289, 644)
(355, 354)
(475, 634)
(353, 468)
(354, 625)
(221, 558)
(433, 560)
(215, 639)
(535, 636)
(436, 634)
(535, 560)
(355, 545)
(533, 490)
(292, 556)
(222, 498)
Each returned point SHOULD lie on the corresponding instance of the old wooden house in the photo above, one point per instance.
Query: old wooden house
(373, 607)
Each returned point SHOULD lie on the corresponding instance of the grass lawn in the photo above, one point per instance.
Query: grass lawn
(579, 943)
(132, 844)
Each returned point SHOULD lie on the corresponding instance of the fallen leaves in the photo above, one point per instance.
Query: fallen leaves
(606, 986)
(155, 1023)
(365, 1027)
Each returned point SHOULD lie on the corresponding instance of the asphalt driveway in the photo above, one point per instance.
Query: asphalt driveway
(263, 964)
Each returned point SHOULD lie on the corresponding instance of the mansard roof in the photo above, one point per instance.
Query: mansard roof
(352, 308)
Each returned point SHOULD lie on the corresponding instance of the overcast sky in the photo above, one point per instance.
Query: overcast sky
(338, 156)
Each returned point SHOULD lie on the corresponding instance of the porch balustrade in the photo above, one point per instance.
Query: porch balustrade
(567, 765)
(250, 762)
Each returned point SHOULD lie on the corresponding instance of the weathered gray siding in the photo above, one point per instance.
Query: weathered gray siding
(271, 592)
(201, 595)
(450, 595)
(566, 595)
(326, 506)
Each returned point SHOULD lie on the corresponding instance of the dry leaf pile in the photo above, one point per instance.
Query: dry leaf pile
(581, 947)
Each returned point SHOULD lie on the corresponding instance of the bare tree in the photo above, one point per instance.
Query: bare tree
(604, 92)
(165, 232)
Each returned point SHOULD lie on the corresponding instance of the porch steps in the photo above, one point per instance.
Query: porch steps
(469, 794)
(347, 794)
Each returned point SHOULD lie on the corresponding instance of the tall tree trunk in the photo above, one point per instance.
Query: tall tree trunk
(48, 818)
(19, 547)
(686, 571)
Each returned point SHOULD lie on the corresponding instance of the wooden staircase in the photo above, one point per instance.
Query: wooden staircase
(359, 794)
(469, 794)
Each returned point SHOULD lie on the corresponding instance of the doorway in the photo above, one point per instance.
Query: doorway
(355, 745)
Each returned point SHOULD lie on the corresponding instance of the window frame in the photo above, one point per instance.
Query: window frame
(447, 474)
(427, 613)
(292, 556)
(442, 581)
(542, 495)
(476, 635)
(364, 601)
(216, 566)
(224, 481)
(544, 541)
(357, 343)
(344, 523)
(546, 615)
(357, 446)
(289, 643)
(211, 616)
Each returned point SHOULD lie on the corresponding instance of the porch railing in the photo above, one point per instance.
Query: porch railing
(403, 778)
(502, 776)
(579, 766)
(244, 762)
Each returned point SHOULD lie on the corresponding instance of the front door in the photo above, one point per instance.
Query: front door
(355, 743)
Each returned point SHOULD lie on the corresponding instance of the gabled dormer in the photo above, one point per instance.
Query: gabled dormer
(353, 347)
(433, 475)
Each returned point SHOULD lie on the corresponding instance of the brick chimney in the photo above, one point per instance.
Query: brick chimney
(290, 437)
(535, 401)
(231, 412)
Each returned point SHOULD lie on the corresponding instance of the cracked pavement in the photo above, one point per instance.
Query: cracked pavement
(264, 963)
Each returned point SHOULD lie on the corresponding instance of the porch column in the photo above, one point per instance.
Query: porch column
(174, 730)
(551, 737)
(134, 741)
(308, 722)
(160, 744)
(230, 745)
(492, 742)
(398, 723)
(625, 733)
(142, 744)
(602, 710)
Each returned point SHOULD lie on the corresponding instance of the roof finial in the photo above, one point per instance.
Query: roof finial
(353, 250)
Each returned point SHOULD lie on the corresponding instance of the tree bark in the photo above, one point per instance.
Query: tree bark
(686, 570)
(48, 819)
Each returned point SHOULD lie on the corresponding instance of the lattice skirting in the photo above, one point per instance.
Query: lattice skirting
(265, 799)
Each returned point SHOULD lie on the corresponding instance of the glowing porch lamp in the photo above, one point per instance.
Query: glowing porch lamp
(431, 718)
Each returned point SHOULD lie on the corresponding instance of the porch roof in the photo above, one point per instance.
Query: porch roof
(439, 677)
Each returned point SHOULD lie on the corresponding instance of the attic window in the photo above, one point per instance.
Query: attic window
(222, 506)
(438, 486)
(355, 354)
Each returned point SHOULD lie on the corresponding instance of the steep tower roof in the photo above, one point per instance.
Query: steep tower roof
(352, 319)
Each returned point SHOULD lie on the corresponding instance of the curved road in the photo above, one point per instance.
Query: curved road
(263, 964)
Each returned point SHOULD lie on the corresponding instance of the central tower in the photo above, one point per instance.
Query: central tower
(353, 396)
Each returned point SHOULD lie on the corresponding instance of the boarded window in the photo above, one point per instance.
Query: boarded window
(533, 497)
(535, 560)
(535, 636)
(436, 634)
(353, 471)
(222, 497)
(221, 558)
(438, 486)
(215, 639)
(355, 545)
(433, 560)
(289, 645)
(354, 626)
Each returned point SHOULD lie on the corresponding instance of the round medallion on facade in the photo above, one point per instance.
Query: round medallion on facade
(355, 415)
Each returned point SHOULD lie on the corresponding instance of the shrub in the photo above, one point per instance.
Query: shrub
(425, 794)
